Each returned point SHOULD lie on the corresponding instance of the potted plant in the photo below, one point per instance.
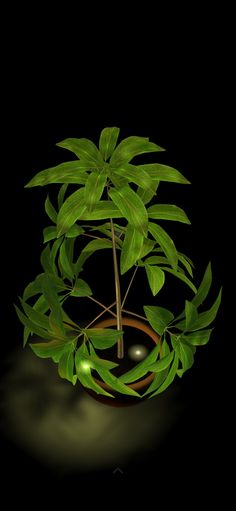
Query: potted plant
(103, 203)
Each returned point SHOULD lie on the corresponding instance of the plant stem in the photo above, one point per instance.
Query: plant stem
(120, 342)
(134, 314)
(129, 286)
(106, 309)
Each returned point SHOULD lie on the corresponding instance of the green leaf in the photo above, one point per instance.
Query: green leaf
(107, 141)
(97, 362)
(186, 357)
(84, 373)
(103, 338)
(71, 211)
(165, 242)
(191, 314)
(74, 231)
(49, 233)
(205, 318)
(147, 195)
(51, 298)
(94, 188)
(89, 249)
(168, 212)
(84, 149)
(164, 173)
(45, 259)
(81, 288)
(158, 317)
(156, 278)
(33, 288)
(148, 246)
(131, 207)
(138, 176)
(155, 260)
(142, 368)
(65, 263)
(61, 195)
(185, 262)
(130, 147)
(199, 338)
(50, 349)
(159, 377)
(54, 251)
(33, 327)
(103, 209)
(204, 287)
(66, 366)
(170, 377)
(162, 364)
(131, 248)
(35, 316)
(182, 277)
(115, 383)
(50, 210)
(68, 172)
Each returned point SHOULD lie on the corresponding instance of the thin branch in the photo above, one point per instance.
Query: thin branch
(96, 301)
(120, 342)
(129, 286)
(134, 314)
(107, 309)
(91, 236)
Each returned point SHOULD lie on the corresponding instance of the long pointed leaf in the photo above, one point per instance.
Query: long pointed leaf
(104, 209)
(164, 173)
(107, 141)
(181, 276)
(169, 379)
(165, 242)
(142, 368)
(84, 149)
(205, 318)
(138, 176)
(156, 278)
(94, 188)
(68, 172)
(115, 383)
(168, 212)
(158, 317)
(130, 147)
(131, 207)
(131, 248)
(204, 287)
(72, 209)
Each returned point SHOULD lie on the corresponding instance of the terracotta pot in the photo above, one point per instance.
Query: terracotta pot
(141, 385)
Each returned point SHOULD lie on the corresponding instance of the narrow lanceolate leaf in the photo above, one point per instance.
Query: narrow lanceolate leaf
(103, 209)
(65, 263)
(107, 141)
(156, 278)
(50, 349)
(148, 246)
(83, 370)
(115, 383)
(45, 259)
(49, 233)
(155, 260)
(84, 149)
(94, 187)
(142, 368)
(138, 176)
(66, 366)
(185, 262)
(69, 172)
(162, 364)
(35, 316)
(50, 210)
(191, 314)
(199, 338)
(81, 288)
(204, 287)
(159, 378)
(186, 356)
(168, 212)
(131, 207)
(130, 147)
(170, 377)
(164, 173)
(51, 298)
(131, 248)
(90, 248)
(32, 326)
(103, 338)
(158, 317)
(181, 276)
(61, 195)
(97, 361)
(147, 195)
(71, 210)
(204, 318)
(165, 242)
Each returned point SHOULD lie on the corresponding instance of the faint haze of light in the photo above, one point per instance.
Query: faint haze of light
(63, 427)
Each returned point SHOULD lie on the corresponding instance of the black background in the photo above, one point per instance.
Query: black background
(180, 100)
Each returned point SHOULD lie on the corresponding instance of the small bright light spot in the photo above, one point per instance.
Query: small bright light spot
(138, 352)
(85, 366)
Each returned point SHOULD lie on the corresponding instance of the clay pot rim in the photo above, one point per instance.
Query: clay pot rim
(140, 325)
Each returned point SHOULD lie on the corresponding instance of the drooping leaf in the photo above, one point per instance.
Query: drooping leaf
(165, 242)
(84, 149)
(94, 187)
(65, 263)
(74, 231)
(97, 362)
(155, 260)
(168, 212)
(71, 211)
(148, 246)
(115, 383)
(66, 366)
(158, 317)
(204, 318)
(141, 368)
(199, 338)
(107, 141)
(103, 209)
(185, 262)
(156, 278)
(33, 327)
(159, 377)
(81, 288)
(164, 173)
(138, 176)
(186, 357)
(130, 147)
(50, 349)
(45, 260)
(50, 210)
(147, 195)
(61, 195)
(83, 370)
(103, 338)
(204, 287)
(69, 172)
(162, 364)
(35, 316)
(191, 314)
(170, 377)
(33, 288)
(181, 276)
(49, 233)
(89, 249)
(51, 298)
(131, 248)
(131, 207)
